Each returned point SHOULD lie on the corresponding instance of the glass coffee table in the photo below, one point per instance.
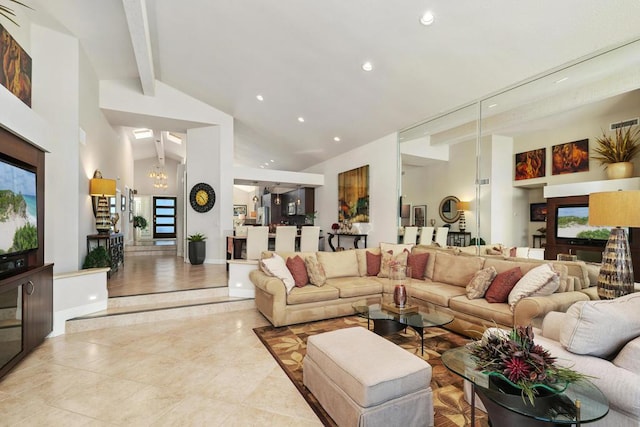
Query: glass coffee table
(580, 402)
(386, 321)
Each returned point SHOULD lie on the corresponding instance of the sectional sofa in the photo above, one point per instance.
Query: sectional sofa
(442, 287)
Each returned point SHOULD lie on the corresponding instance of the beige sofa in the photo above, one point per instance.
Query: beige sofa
(442, 289)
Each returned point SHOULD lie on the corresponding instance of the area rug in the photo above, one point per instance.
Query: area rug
(288, 346)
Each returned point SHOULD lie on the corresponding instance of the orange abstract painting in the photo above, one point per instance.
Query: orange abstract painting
(530, 164)
(16, 67)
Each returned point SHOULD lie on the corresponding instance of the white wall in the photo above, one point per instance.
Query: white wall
(382, 157)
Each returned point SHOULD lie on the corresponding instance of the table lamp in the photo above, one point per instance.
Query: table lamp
(102, 188)
(617, 209)
(461, 207)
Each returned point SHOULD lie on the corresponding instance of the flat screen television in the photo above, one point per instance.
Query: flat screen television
(18, 209)
(572, 224)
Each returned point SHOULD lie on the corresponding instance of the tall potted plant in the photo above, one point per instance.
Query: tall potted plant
(197, 248)
(139, 223)
(617, 152)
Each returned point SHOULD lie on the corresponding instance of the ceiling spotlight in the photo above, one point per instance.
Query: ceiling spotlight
(301, 119)
(336, 138)
(272, 160)
(367, 66)
(261, 166)
(259, 97)
(427, 18)
(562, 80)
(493, 105)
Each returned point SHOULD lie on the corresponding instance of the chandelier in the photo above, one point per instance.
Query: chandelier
(159, 177)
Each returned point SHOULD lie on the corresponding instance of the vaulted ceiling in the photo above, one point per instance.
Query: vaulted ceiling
(304, 57)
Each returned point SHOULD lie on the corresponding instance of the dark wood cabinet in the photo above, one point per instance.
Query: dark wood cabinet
(33, 318)
(114, 243)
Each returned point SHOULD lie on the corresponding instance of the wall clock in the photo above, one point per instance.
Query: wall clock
(202, 197)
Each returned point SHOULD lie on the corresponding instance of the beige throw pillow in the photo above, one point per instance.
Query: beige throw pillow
(278, 268)
(315, 271)
(480, 282)
(628, 356)
(601, 328)
(388, 259)
(539, 281)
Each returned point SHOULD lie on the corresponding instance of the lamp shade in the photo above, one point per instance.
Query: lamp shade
(615, 208)
(463, 206)
(102, 187)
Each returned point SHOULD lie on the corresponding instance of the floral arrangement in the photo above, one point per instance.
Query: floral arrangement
(514, 357)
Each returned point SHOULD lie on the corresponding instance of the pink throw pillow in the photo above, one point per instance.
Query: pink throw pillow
(502, 285)
(298, 270)
(373, 264)
(418, 264)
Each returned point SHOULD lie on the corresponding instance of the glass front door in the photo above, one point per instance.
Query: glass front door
(164, 217)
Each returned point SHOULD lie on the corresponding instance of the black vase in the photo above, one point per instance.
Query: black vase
(197, 252)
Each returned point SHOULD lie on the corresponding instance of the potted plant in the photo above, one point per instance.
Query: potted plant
(139, 223)
(616, 152)
(515, 364)
(197, 248)
(98, 257)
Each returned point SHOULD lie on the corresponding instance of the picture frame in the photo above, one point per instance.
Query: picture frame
(530, 164)
(353, 195)
(123, 202)
(239, 210)
(131, 199)
(419, 215)
(130, 216)
(537, 212)
(570, 157)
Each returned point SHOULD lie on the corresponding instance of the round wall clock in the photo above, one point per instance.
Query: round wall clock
(202, 197)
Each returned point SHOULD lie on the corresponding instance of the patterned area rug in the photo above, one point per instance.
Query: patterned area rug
(288, 346)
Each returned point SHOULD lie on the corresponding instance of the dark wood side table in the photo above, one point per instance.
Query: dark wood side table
(459, 238)
(114, 243)
(540, 238)
(356, 239)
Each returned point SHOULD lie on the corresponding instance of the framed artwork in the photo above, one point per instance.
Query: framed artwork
(538, 212)
(15, 73)
(123, 202)
(570, 157)
(239, 210)
(353, 195)
(131, 199)
(130, 215)
(419, 215)
(530, 164)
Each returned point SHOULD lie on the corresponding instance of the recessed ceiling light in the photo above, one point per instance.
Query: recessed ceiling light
(266, 163)
(142, 133)
(272, 160)
(301, 119)
(367, 66)
(261, 166)
(427, 18)
(493, 105)
(336, 138)
(562, 79)
(260, 97)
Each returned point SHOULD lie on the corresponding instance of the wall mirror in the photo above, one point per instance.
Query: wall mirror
(449, 209)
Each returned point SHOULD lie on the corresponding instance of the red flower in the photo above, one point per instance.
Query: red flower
(516, 369)
(334, 226)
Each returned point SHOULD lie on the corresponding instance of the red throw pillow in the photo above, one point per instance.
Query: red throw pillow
(373, 264)
(418, 264)
(501, 286)
(298, 271)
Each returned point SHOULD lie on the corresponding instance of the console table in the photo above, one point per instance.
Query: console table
(540, 238)
(114, 243)
(459, 238)
(356, 239)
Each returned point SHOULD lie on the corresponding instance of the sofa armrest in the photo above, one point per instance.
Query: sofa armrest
(529, 308)
(552, 324)
(269, 284)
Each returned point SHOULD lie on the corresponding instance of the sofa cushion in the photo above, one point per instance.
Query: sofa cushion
(309, 294)
(629, 356)
(480, 282)
(339, 264)
(315, 271)
(456, 269)
(601, 328)
(418, 264)
(502, 285)
(388, 259)
(277, 267)
(431, 261)
(539, 281)
(361, 254)
(373, 263)
(492, 313)
(434, 292)
(356, 286)
(298, 270)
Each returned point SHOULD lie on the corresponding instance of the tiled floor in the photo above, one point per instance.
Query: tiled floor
(206, 371)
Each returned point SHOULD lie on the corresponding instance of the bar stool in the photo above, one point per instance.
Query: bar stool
(257, 241)
(309, 238)
(410, 235)
(286, 238)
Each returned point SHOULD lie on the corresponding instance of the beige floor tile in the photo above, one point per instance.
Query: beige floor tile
(253, 417)
(195, 410)
(46, 414)
(277, 394)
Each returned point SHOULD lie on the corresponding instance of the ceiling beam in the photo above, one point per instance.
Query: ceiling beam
(136, 12)
(160, 149)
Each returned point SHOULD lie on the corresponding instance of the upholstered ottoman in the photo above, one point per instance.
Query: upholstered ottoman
(361, 379)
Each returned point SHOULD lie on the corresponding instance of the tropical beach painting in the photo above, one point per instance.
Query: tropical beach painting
(18, 209)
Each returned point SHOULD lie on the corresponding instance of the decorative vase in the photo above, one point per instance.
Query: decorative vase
(400, 296)
(620, 170)
(197, 252)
